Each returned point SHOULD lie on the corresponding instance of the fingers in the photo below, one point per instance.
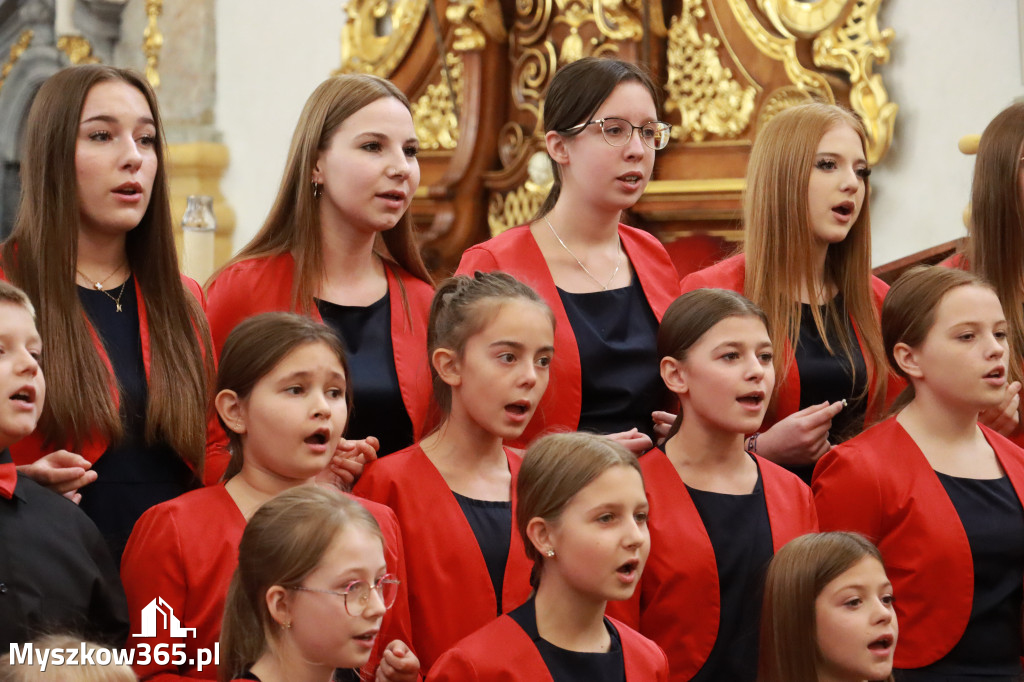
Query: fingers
(660, 417)
(347, 470)
(398, 663)
(634, 441)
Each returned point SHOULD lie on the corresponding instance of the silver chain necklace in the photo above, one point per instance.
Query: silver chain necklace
(618, 261)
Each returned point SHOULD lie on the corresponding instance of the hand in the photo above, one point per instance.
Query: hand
(663, 422)
(398, 664)
(634, 441)
(1004, 418)
(62, 472)
(802, 437)
(350, 458)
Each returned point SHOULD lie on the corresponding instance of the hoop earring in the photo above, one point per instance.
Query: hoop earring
(318, 189)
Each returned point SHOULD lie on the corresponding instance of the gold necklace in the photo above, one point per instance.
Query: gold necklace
(117, 301)
(618, 261)
(98, 286)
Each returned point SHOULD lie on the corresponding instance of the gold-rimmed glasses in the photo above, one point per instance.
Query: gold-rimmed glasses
(617, 131)
(357, 593)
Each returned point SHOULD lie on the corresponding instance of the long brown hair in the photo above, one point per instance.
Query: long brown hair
(691, 316)
(255, 347)
(995, 244)
(779, 241)
(576, 91)
(908, 313)
(41, 256)
(293, 225)
(283, 542)
(796, 576)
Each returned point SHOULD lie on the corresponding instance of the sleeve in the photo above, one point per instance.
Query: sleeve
(217, 453)
(477, 258)
(224, 309)
(847, 494)
(454, 666)
(152, 569)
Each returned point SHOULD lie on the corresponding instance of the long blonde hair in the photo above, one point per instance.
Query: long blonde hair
(779, 241)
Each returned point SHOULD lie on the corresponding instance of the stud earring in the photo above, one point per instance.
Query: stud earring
(287, 625)
(550, 553)
(318, 189)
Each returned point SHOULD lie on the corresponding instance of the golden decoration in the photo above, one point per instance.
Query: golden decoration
(17, 49)
(78, 49)
(475, 21)
(613, 19)
(780, 99)
(855, 47)
(805, 18)
(364, 48)
(520, 205)
(434, 113)
(707, 97)
(153, 41)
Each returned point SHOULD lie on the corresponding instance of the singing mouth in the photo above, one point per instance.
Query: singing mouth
(845, 208)
(318, 437)
(882, 643)
(25, 394)
(129, 189)
(754, 398)
(520, 407)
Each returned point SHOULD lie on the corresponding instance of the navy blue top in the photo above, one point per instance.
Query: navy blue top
(377, 408)
(741, 537)
(132, 475)
(573, 666)
(617, 335)
(491, 522)
(990, 647)
(827, 376)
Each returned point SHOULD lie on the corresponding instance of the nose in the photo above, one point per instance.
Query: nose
(849, 182)
(755, 370)
(321, 406)
(883, 612)
(132, 158)
(27, 364)
(375, 607)
(400, 166)
(528, 376)
(636, 534)
(997, 346)
(635, 147)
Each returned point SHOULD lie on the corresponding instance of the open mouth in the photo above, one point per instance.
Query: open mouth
(518, 408)
(997, 373)
(367, 636)
(129, 189)
(631, 178)
(844, 209)
(317, 438)
(25, 394)
(753, 399)
(883, 643)
(392, 196)
(628, 568)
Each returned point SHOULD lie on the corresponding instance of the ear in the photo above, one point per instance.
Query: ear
(540, 534)
(278, 606)
(317, 175)
(446, 363)
(556, 146)
(906, 360)
(673, 375)
(229, 407)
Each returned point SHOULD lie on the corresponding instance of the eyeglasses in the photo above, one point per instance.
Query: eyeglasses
(357, 593)
(617, 132)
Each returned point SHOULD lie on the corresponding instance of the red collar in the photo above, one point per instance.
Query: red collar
(8, 479)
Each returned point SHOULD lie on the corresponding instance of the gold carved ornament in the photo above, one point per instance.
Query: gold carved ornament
(377, 34)
(520, 205)
(77, 49)
(17, 49)
(475, 21)
(704, 92)
(153, 41)
(434, 114)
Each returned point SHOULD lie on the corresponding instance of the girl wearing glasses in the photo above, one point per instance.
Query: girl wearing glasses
(283, 396)
(310, 593)
(807, 263)
(491, 342)
(582, 516)
(608, 284)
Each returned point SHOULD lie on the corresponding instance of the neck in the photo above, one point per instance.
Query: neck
(286, 665)
(569, 619)
(101, 253)
(461, 443)
(347, 254)
(583, 223)
(253, 486)
(941, 421)
(697, 445)
(816, 291)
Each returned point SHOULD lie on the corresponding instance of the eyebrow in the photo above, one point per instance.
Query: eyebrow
(856, 159)
(107, 118)
(382, 136)
(517, 345)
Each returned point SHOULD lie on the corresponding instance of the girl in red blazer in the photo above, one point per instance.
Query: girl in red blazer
(719, 513)
(828, 612)
(310, 594)
(806, 262)
(338, 246)
(128, 354)
(582, 516)
(283, 395)
(608, 284)
(938, 493)
(491, 344)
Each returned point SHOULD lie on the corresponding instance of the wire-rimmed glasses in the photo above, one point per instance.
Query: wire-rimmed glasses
(617, 131)
(356, 594)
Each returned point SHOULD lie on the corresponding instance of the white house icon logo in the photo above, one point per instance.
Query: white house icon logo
(158, 608)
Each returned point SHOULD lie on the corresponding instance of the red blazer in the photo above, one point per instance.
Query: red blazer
(450, 590)
(879, 484)
(677, 603)
(33, 447)
(516, 252)
(502, 652)
(263, 285)
(730, 274)
(185, 552)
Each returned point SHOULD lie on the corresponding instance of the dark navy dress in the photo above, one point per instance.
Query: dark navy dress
(617, 335)
(132, 475)
(573, 666)
(990, 648)
(377, 408)
(741, 537)
(491, 522)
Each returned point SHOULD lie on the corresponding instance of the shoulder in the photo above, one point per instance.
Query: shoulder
(493, 253)
(251, 269)
(775, 475)
(867, 456)
(193, 288)
(206, 506)
(726, 274)
(387, 473)
(878, 291)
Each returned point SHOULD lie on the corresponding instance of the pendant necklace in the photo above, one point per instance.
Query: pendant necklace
(120, 293)
(618, 261)
(98, 286)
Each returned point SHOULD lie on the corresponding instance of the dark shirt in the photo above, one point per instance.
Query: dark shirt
(830, 376)
(132, 475)
(573, 666)
(491, 522)
(990, 647)
(617, 336)
(377, 408)
(56, 574)
(741, 537)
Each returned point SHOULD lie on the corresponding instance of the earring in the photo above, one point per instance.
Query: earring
(287, 625)
(318, 189)
(550, 553)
